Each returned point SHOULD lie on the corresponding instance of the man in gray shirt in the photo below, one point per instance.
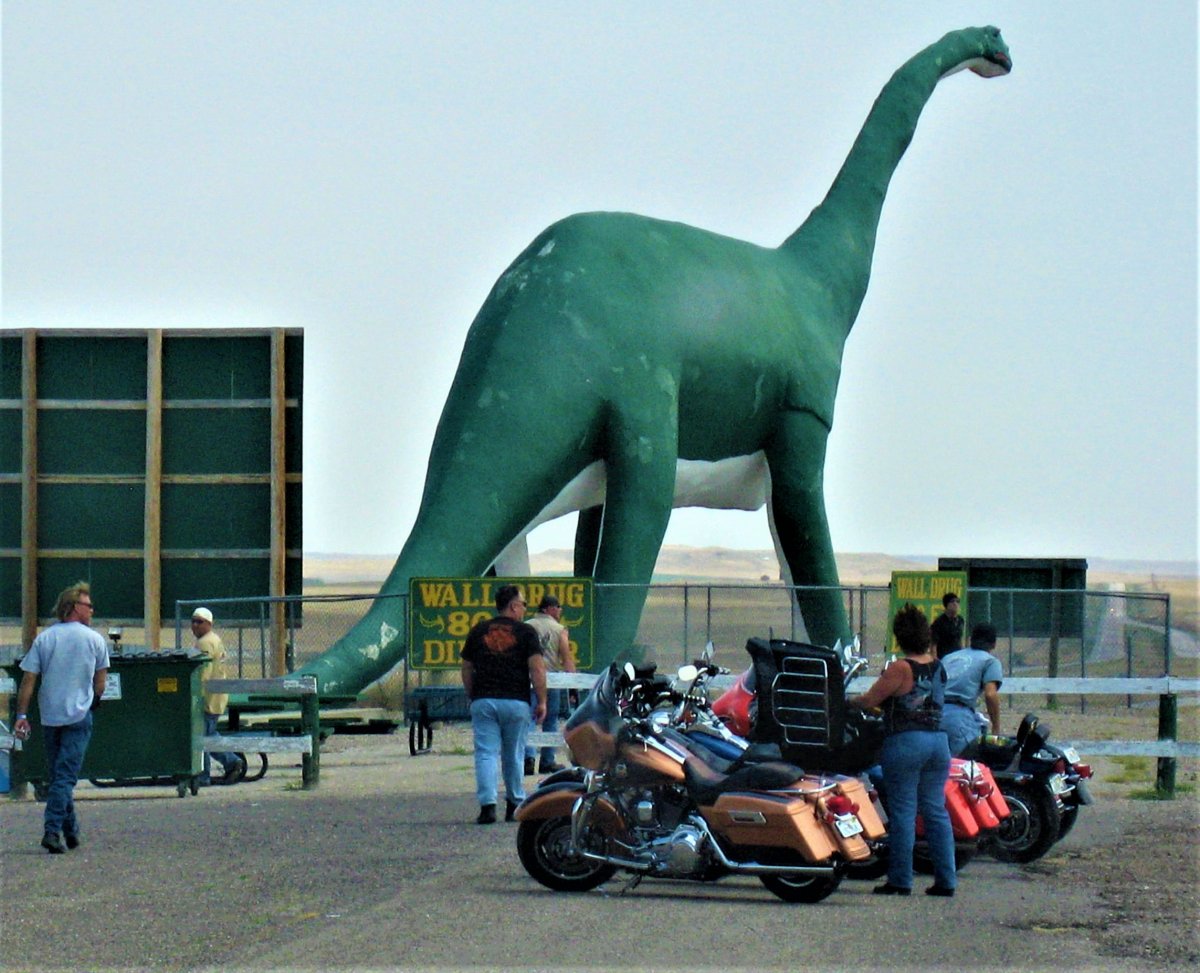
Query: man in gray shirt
(72, 661)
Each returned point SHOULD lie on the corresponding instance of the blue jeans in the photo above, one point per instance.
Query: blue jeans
(225, 759)
(65, 749)
(499, 726)
(916, 764)
(554, 699)
(961, 727)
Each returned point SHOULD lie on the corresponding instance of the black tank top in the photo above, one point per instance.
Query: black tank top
(921, 707)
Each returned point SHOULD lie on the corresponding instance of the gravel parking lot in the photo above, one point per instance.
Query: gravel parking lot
(381, 868)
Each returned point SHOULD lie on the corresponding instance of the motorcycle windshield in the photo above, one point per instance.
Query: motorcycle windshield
(600, 704)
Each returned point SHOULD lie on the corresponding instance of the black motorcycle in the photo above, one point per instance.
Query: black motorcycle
(1044, 785)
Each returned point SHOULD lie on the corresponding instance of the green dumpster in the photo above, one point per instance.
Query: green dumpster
(147, 729)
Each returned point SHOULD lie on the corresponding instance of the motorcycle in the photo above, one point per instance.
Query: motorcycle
(793, 695)
(646, 800)
(1043, 784)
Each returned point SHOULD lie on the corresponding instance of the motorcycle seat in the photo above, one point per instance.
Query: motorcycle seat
(706, 784)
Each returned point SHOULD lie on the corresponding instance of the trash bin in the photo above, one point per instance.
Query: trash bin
(147, 730)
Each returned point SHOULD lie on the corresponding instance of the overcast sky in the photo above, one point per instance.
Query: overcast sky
(1022, 379)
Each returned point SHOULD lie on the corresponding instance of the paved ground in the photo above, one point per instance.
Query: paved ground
(380, 868)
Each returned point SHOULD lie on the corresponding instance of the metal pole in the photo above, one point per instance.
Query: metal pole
(310, 724)
(685, 617)
(1167, 637)
(1167, 724)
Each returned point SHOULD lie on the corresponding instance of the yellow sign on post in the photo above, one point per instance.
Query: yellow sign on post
(444, 610)
(924, 589)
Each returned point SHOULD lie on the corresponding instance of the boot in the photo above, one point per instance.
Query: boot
(529, 768)
(548, 766)
(510, 810)
(487, 814)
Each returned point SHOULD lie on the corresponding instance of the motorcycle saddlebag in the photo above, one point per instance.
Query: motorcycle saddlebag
(995, 796)
(976, 790)
(868, 815)
(962, 819)
(773, 821)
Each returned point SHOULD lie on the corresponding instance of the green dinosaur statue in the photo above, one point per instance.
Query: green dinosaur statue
(674, 349)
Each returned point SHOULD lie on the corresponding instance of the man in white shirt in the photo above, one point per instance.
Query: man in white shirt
(72, 661)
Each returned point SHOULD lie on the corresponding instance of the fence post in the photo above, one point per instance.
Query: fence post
(310, 723)
(1164, 781)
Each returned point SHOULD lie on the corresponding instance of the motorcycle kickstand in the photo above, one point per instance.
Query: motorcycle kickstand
(628, 885)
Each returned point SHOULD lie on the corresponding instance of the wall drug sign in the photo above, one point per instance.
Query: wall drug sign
(925, 590)
(443, 610)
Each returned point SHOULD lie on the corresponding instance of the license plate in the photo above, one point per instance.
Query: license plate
(848, 825)
(1071, 754)
(1059, 785)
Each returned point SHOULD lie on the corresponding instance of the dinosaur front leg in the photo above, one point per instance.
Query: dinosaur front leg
(641, 460)
(796, 458)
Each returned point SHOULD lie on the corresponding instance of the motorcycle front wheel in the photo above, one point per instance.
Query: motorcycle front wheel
(544, 848)
(801, 888)
(1032, 827)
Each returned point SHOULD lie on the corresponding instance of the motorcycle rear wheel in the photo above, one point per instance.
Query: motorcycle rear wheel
(544, 847)
(923, 861)
(1066, 820)
(1032, 827)
(802, 888)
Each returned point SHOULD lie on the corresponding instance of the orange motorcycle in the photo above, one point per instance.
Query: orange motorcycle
(645, 800)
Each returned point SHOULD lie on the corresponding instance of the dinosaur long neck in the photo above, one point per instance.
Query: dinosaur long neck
(837, 241)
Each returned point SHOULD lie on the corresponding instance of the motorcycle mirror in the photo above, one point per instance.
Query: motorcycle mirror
(709, 651)
(688, 673)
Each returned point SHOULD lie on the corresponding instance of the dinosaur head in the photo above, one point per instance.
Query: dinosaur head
(993, 60)
(981, 49)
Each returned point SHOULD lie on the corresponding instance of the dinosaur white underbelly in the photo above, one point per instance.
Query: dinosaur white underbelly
(737, 483)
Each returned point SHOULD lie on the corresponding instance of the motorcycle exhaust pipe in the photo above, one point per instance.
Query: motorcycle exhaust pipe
(584, 803)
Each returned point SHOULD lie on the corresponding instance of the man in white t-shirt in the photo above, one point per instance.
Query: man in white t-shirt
(71, 659)
(556, 651)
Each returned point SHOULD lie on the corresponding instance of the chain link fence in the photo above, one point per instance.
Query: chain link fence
(1107, 633)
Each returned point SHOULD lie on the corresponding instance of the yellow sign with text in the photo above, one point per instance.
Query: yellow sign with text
(924, 589)
(443, 610)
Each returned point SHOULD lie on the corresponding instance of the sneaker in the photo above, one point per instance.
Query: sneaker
(234, 771)
(530, 770)
(53, 843)
(510, 810)
(549, 767)
(487, 814)
(72, 841)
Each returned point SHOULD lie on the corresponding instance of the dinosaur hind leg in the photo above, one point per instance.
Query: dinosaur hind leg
(641, 461)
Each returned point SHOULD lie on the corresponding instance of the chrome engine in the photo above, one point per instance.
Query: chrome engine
(670, 841)
(682, 853)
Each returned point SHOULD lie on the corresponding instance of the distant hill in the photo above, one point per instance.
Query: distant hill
(676, 562)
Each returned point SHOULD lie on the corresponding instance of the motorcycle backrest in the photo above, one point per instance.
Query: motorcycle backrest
(800, 686)
(1029, 721)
